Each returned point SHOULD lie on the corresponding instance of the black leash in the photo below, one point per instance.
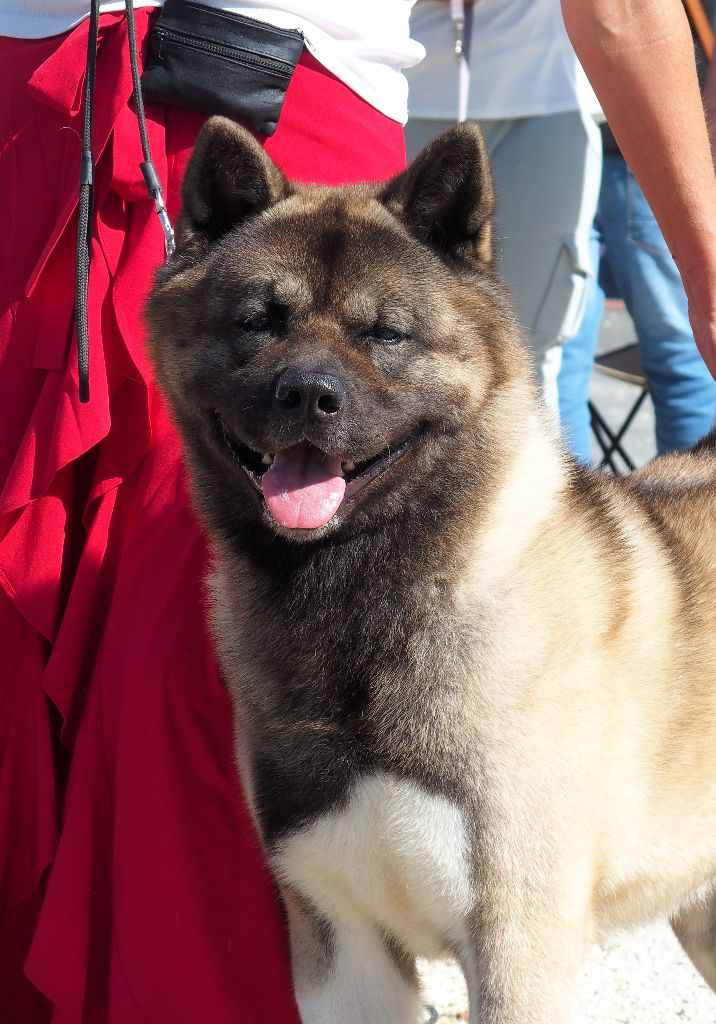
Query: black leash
(84, 232)
(84, 217)
(149, 172)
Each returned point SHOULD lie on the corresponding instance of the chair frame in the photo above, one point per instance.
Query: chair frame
(614, 364)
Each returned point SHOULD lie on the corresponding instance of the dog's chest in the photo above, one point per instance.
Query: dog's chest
(395, 856)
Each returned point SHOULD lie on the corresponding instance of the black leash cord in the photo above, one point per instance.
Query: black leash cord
(84, 215)
(149, 172)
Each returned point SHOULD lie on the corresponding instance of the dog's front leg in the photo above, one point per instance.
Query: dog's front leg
(519, 973)
(347, 971)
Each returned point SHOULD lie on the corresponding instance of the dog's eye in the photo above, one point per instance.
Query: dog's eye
(385, 335)
(270, 318)
(258, 321)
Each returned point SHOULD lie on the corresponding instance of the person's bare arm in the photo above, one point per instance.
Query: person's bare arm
(709, 98)
(640, 59)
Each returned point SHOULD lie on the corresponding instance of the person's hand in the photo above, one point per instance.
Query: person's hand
(704, 327)
(699, 277)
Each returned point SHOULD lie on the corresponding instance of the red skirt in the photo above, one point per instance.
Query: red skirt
(131, 881)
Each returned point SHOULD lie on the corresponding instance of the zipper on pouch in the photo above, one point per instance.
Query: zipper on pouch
(234, 53)
(238, 19)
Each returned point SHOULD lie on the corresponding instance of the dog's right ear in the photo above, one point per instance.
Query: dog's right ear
(446, 197)
(229, 178)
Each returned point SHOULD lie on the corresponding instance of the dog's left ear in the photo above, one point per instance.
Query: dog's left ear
(446, 197)
(229, 178)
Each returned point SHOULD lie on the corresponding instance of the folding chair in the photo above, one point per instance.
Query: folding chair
(620, 364)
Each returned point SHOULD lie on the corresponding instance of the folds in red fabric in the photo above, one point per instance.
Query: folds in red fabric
(140, 889)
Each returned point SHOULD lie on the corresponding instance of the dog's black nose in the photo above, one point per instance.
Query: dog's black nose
(317, 395)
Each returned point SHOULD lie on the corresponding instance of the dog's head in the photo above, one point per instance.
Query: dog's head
(330, 353)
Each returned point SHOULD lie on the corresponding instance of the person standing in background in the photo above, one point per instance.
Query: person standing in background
(537, 111)
(640, 59)
(628, 237)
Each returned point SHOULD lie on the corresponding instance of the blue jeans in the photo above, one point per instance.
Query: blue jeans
(682, 389)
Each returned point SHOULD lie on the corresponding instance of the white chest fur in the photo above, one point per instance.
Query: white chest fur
(396, 857)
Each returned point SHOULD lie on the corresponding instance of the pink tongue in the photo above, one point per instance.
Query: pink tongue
(303, 487)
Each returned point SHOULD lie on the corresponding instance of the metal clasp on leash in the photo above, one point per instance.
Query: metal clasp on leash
(169, 243)
(154, 188)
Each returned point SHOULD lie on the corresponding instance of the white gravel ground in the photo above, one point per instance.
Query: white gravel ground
(641, 977)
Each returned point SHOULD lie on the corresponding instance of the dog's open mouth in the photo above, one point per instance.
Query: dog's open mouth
(303, 487)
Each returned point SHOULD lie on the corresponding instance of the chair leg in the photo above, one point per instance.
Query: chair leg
(625, 426)
(604, 438)
(608, 441)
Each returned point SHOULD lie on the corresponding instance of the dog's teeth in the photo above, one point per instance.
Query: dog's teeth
(267, 459)
(348, 466)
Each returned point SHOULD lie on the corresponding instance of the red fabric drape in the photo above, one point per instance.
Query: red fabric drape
(141, 895)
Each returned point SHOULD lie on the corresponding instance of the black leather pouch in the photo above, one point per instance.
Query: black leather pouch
(214, 62)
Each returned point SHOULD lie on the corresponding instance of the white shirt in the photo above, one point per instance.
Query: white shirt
(365, 43)
(521, 62)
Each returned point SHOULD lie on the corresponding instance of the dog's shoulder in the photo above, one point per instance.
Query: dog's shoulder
(678, 491)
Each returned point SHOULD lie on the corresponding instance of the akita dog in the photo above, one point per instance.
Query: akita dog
(475, 685)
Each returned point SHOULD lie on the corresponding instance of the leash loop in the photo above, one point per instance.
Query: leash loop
(86, 184)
